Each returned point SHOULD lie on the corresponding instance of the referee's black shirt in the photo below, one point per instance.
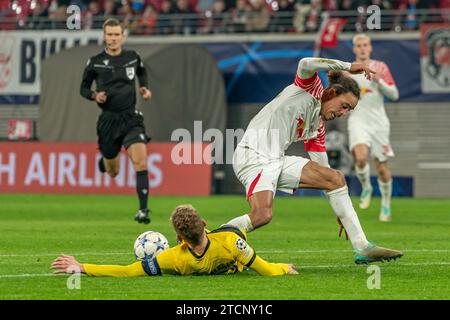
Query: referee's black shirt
(116, 76)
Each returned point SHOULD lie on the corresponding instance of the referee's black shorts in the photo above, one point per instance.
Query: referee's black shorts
(115, 130)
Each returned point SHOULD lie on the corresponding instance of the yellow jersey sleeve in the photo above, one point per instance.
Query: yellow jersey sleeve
(265, 268)
(133, 270)
(246, 256)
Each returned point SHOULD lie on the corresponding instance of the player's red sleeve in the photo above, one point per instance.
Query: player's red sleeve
(311, 85)
(386, 74)
(317, 144)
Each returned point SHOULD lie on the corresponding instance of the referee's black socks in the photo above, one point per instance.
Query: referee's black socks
(142, 188)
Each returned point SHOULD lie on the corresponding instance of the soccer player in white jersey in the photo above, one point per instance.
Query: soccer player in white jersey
(369, 127)
(298, 113)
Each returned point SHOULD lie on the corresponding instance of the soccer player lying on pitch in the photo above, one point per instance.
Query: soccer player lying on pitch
(298, 113)
(199, 252)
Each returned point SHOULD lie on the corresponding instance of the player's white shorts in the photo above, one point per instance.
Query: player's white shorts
(377, 140)
(258, 173)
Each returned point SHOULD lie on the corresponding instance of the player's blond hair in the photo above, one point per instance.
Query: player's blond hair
(360, 36)
(112, 22)
(188, 223)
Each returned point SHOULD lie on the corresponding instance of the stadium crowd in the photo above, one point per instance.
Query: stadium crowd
(215, 16)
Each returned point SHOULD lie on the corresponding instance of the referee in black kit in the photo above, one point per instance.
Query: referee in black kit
(120, 124)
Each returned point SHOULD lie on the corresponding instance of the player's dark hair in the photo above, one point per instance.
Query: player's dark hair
(342, 84)
(188, 223)
(111, 22)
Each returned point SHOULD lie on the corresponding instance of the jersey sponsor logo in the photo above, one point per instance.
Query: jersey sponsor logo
(241, 244)
(227, 267)
(130, 73)
(365, 90)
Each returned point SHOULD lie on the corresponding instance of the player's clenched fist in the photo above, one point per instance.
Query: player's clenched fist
(145, 93)
(100, 97)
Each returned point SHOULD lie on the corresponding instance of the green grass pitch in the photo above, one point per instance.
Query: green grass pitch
(34, 229)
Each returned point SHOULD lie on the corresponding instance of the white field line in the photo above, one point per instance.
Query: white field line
(399, 264)
(258, 251)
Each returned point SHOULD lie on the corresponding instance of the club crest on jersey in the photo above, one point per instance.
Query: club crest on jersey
(130, 73)
(106, 62)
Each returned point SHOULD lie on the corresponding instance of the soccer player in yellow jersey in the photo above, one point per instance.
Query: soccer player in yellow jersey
(199, 252)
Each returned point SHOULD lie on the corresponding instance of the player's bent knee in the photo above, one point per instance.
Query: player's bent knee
(337, 179)
(261, 216)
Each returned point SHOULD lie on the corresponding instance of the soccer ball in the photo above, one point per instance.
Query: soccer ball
(149, 244)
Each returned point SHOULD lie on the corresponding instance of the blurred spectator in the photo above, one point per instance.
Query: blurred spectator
(38, 17)
(258, 17)
(239, 16)
(146, 23)
(411, 22)
(351, 10)
(109, 9)
(185, 24)
(282, 18)
(163, 22)
(57, 13)
(312, 23)
(216, 18)
(93, 18)
(302, 7)
(204, 5)
(125, 13)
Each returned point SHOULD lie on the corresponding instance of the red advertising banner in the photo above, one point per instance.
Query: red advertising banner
(71, 168)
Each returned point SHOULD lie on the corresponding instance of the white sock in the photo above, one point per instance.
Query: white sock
(363, 175)
(386, 192)
(243, 222)
(343, 208)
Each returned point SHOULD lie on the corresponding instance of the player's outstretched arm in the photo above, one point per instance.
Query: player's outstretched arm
(68, 264)
(308, 66)
(265, 268)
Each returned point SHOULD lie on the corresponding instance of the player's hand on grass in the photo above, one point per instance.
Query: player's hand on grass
(341, 228)
(100, 97)
(291, 269)
(67, 264)
(145, 93)
(361, 68)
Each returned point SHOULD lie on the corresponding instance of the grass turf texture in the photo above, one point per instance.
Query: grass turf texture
(34, 229)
